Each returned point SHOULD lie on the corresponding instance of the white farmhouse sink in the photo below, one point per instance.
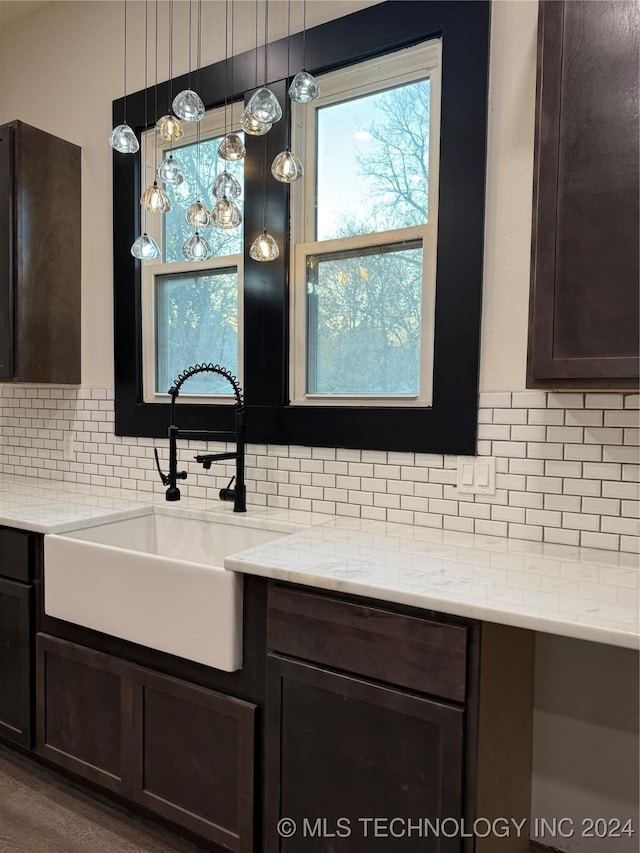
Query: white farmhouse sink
(157, 580)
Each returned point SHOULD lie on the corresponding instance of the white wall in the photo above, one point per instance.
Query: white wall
(60, 69)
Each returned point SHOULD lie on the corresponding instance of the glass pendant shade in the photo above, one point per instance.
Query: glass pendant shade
(169, 128)
(304, 88)
(188, 105)
(155, 200)
(169, 172)
(264, 107)
(226, 214)
(252, 126)
(264, 248)
(145, 248)
(123, 139)
(226, 186)
(198, 216)
(196, 248)
(286, 167)
(231, 148)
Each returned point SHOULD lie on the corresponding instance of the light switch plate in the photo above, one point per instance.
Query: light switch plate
(476, 475)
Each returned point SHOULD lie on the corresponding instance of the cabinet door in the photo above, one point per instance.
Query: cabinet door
(342, 748)
(15, 662)
(194, 757)
(584, 299)
(84, 712)
(6, 252)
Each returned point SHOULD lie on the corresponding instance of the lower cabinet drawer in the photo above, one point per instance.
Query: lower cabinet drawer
(181, 751)
(406, 651)
(16, 554)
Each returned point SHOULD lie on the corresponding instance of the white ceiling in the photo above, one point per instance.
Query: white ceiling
(12, 10)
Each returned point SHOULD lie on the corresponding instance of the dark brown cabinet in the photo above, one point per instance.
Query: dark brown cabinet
(17, 552)
(193, 758)
(584, 305)
(84, 712)
(375, 713)
(39, 256)
(179, 750)
(343, 750)
(15, 661)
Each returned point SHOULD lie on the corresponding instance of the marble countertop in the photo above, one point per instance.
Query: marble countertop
(575, 592)
(584, 593)
(47, 506)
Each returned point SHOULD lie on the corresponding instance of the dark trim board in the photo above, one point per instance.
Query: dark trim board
(450, 425)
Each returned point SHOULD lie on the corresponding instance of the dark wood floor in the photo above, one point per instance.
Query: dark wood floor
(41, 813)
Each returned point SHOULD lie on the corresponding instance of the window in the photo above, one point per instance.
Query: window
(364, 233)
(192, 312)
(415, 387)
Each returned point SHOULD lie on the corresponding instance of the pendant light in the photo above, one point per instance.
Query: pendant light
(231, 147)
(196, 247)
(248, 123)
(286, 166)
(144, 247)
(169, 172)
(168, 126)
(154, 199)
(122, 138)
(304, 87)
(264, 248)
(263, 104)
(187, 104)
(226, 213)
(226, 186)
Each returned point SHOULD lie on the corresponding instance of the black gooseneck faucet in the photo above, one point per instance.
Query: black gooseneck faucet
(237, 494)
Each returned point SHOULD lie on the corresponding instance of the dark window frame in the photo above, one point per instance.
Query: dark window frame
(450, 424)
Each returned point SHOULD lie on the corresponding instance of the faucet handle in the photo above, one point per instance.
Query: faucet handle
(163, 477)
(228, 494)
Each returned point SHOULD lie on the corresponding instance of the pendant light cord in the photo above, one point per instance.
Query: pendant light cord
(146, 83)
(266, 37)
(124, 105)
(256, 84)
(304, 35)
(190, 40)
(226, 63)
(170, 56)
(155, 137)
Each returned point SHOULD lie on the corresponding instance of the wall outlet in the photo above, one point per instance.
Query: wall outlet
(476, 475)
(69, 446)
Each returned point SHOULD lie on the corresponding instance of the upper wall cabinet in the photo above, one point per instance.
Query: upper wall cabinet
(39, 256)
(583, 322)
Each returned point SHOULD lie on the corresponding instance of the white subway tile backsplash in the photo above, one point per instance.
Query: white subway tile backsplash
(565, 434)
(565, 401)
(580, 521)
(550, 417)
(604, 401)
(583, 452)
(628, 526)
(583, 417)
(566, 466)
(627, 418)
